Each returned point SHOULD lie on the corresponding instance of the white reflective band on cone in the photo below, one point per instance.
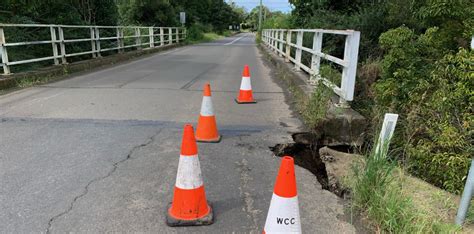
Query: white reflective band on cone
(189, 173)
(283, 215)
(206, 106)
(245, 85)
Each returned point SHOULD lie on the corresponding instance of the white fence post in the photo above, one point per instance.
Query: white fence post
(53, 44)
(3, 52)
(117, 33)
(299, 44)
(162, 37)
(266, 37)
(274, 42)
(351, 52)
(282, 34)
(119, 40)
(170, 36)
(92, 32)
(271, 39)
(288, 47)
(278, 44)
(62, 46)
(315, 59)
(97, 41)
(151, 36)
(138, 38)
(177, 35)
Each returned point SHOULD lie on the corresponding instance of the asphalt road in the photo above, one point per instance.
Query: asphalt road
(99, 152)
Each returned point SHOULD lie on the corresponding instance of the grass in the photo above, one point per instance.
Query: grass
(211, 36)
(378, 192)
(33, 81)
(312, 108)
(331, 74)
(315, 110)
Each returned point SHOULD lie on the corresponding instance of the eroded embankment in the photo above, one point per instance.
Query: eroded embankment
(305, 150)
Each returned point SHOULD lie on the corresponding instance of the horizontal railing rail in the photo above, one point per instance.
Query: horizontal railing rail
(280, 41)
(156, 37)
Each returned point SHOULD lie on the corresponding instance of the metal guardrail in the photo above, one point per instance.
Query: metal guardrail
(280, 41)
(58, 40)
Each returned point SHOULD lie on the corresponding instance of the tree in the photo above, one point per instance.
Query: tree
(100, 12)
(148, 12)
(252, 18)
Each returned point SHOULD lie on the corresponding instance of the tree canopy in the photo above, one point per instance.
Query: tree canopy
(216, 13)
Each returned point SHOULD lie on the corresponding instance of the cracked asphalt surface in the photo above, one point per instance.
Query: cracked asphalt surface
(99, 152)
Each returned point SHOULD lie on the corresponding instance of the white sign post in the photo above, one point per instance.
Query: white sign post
(388, 127)
(182, 17)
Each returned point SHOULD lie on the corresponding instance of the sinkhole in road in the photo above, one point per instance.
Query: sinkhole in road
(305, 151)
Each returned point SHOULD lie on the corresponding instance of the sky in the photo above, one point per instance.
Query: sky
(273, 5)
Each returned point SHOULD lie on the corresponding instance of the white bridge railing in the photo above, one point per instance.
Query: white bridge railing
(122, 37)
(280, 41)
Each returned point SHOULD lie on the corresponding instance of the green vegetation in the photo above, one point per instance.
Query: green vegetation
(311, 108)
(215, 13)
(436, 103)
(377, 193)
(202, 16)
(202, 33)
(415, 61)
(270, 19)
(315, 108)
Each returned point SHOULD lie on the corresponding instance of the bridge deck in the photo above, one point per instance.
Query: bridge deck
(99, 152)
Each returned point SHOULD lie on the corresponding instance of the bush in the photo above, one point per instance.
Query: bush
(196, 32)
(433, 94)
(442, 151)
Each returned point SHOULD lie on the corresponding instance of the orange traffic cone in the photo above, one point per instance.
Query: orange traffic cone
(189, 206)
(206, 130)
(284, 215)
(245, 94)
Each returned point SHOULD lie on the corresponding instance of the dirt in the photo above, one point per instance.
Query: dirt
(306, 151)
(329, 165)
